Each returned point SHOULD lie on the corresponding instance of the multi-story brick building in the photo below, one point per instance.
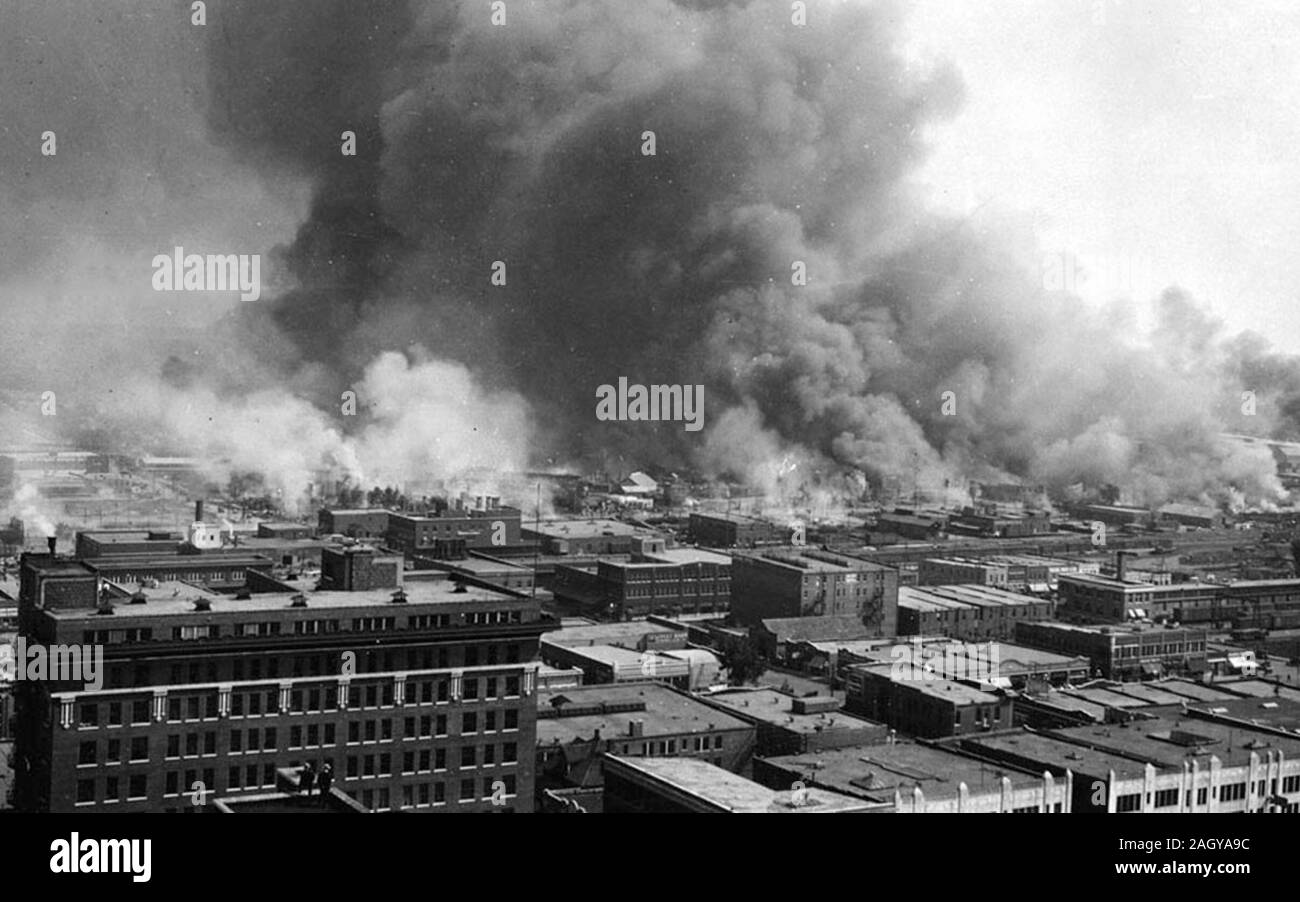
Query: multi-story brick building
(673, 581)
(928, 708)
(1102, 598)
(359, 523)
(1119, 652)
(967, 612)
(736, 531)
(452, 532)
(798, 582)
(420, 697)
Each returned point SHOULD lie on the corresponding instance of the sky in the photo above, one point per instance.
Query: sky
(1154, 138)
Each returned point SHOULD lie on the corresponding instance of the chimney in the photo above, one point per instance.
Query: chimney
(53, 542)
(1120, 569)
(198, 511)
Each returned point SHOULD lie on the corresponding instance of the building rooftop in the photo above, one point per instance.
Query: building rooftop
(877, 772)
(661, 710)
(1052, 752)
(1280, 713)
(810, 629)
(585, 528)
(1258, 689)
(810, 561)
(776, 707)
(948, 690)
(1171, 739)
(968, 594)
(690, 556)
(162, 603)
(733, 793)
(1192, 690)
(627, 634)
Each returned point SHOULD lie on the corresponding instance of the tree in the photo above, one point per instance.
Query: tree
(744, 664)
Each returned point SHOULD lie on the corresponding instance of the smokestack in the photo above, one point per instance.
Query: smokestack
(198, 511)
(1120, 569)
(53, 542)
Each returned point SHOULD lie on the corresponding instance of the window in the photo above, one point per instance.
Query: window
(1233, 792)
(210, 743)
(89, 718)
(469, 722)
(88, 753)
(489, 755)
(512, 686)
(509, 753)
(1202, 795)
(140, 748)
(439, 759)
(467, 790)
(114, 751)
(1131, 802)
(490, 721)
(85, 790)
(1166, 798)
(171, 785)
(114, 714)
(471, 689)
(268, 775)
(439, 792)
(138, 787)
(191, 744)
(236, 740)
(511, 719)
(174, 745)
(441, 725)
(467, 756)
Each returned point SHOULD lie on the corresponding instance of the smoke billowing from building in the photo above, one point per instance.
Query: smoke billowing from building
(776, 146)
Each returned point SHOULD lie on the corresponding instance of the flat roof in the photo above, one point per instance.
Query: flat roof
(1050, 752)
(616, 656)
(1115, 629)
(732, 792)
(775, 707)
(1281, 713)
(1169, 740)
(585, 529)
(423, 592)
(1257, 688)
(626, 633)
(948, 690)
(1196, 691)
(1152, 695)
(690, 556)
(1107, 698)
(878, 771)
(665, 713)
(824, 562)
